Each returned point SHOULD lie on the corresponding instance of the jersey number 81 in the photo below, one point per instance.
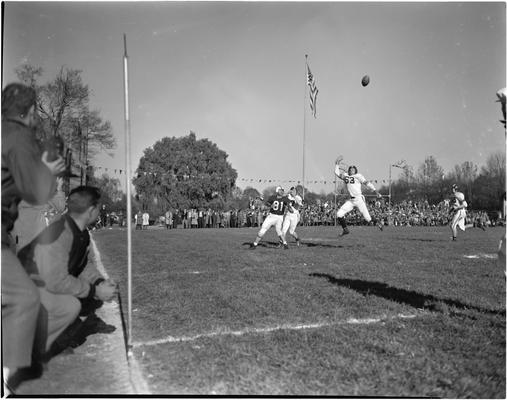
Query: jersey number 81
(277, 205)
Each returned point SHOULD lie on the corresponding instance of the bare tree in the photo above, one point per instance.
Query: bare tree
(63, 106)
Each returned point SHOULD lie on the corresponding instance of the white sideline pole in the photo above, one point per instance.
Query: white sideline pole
(129, 206)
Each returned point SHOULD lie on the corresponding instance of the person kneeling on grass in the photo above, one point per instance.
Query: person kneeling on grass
(70, 286)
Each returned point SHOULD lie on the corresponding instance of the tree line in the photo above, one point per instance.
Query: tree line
(185, 173)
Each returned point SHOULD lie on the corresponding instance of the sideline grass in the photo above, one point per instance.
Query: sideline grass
(196, 282)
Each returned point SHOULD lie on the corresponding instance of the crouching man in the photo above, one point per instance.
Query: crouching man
(69, 283)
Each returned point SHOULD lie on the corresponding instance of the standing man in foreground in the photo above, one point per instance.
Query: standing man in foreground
(353, 180)
(458, 208)
(292, 217)
(25, 176)
(278, 203)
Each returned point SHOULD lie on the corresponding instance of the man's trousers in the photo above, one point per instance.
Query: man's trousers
(20, 307)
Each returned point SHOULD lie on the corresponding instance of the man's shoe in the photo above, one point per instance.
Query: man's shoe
(34, 371)
(91, 325)
(345, 232)
(100, 326)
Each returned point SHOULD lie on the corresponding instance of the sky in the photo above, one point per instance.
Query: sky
(235, 73)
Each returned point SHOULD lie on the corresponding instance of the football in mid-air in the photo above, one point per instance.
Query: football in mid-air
(365, 80)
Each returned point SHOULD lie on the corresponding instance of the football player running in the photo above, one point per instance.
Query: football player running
(458, 207)
(292, 217)
(353, 180)
(278, 203)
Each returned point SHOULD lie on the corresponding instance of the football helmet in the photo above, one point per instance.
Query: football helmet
(460, 196)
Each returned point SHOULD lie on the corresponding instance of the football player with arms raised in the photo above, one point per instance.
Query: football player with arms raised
(278, 204)
(353, 180)
(292, 217)
(458, 208)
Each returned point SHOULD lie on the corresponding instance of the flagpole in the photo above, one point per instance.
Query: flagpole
(335, 200)
(304, 128)
(129, 206)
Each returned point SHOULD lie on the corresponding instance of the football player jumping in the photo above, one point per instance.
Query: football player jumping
(353, 180)
(459, 209)
(278, 204)
(292, 217)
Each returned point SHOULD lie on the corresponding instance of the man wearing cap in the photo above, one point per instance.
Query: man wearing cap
(25, 176)
(278, 204)
(459, 210)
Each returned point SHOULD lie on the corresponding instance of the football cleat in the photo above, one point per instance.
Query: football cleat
(253, 246)
(286, 246)
(345, 232)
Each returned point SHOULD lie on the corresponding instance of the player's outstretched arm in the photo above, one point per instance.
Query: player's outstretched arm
(338, 172)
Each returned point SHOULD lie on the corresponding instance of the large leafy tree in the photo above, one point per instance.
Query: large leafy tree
(184, 173)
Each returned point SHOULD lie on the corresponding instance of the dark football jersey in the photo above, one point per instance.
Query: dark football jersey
(278, 204)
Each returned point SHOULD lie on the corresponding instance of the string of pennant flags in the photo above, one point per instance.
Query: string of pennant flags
(117, 171)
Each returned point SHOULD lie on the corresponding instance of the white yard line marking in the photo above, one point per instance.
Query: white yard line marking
(481, 255)
(136, 377)
(305, 239)
(139, 384)
(294, 327)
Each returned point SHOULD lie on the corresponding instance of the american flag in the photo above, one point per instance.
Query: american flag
(313, 90)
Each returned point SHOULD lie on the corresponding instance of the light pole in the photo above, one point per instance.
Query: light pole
(399, 164)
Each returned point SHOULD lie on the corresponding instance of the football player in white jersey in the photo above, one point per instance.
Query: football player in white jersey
(459, 207)
(278, 204)
(354, 180)
(292, 217)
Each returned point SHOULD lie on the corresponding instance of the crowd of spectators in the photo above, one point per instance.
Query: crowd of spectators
(406, 213)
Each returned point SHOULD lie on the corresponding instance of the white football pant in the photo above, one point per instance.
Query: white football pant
(271, 219)
(290, 222)
(458, 220)
(357, 202)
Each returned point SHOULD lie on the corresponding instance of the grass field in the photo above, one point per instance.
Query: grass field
(404, 312)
